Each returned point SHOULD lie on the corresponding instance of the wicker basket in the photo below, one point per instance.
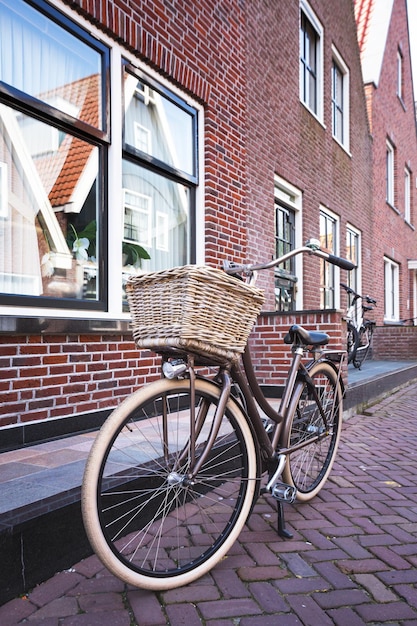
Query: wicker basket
(194, 309)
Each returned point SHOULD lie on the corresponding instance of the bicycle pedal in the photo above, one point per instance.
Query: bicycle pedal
(284, 493)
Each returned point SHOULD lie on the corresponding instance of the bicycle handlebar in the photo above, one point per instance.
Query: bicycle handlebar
(351, 291)
(312, 246)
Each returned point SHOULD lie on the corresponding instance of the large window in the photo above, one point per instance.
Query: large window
(391, 290)
(340, 100)
(328, 272)
(77, 216)
(53, 136)
(159, 174)
(311, 54)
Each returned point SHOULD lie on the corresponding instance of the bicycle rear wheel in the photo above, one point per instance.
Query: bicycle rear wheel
(150, 524)
(308, 467)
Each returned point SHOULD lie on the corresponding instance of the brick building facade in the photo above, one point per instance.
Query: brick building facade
(385, 53)
(267, 145)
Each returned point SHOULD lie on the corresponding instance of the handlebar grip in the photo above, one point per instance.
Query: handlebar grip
(343, 263)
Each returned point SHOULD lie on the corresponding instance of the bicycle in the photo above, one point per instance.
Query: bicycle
(176, 469)
(360, 330)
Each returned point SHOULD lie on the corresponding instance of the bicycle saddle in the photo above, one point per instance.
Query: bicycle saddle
(298, 334)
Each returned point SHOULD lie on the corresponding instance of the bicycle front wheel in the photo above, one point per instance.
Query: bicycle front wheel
(352, 341)
(315, 439)
(364, 343)
(150, 523)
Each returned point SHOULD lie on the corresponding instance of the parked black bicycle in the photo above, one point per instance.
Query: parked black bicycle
(360, 329)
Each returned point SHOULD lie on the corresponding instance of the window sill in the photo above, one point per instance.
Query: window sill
(62, 326)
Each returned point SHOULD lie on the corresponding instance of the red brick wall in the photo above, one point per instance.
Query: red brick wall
(395, 343)
(47, 376)
(50, 376)
(272, 356)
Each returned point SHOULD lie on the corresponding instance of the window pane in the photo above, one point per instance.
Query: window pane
(44, 60)
(48, 236)
(390, 174)
(157, 126)
(309, 43)
(337, 102)
(407, 195)
(327, 270)
(285, 278)
(156, 221)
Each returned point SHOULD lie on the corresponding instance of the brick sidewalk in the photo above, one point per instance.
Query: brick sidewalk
(352, 560)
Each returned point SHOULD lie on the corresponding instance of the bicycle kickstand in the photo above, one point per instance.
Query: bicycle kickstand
(282, 493)
(282, 531)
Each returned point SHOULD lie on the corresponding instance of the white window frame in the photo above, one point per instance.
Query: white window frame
(293, 197)
(390, 169)
(407, 195)
(344, 140)
(318, 28)
(391, 290)
(335, 250)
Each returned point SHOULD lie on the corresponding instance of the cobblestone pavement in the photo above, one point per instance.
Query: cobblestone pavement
(352, 559)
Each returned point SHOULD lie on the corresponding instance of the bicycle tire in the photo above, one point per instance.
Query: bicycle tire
(352, 341)
(147, 523)
(308, 468)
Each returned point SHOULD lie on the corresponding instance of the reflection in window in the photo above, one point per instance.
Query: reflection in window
(158, 175)
(48, 234)
(51, 227)
(156, 216)
(158, 126)
(156, 222)
(41, 59)
(137, 223)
